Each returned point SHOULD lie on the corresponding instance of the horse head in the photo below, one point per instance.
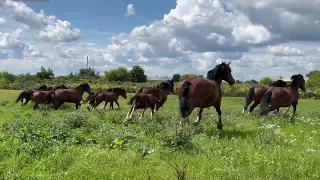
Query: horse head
(120, 92)
(299, 81)
(86, 88)
(221, 72)
(171, 82)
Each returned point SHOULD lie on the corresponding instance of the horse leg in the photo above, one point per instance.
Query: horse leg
(254, 105)
(36, 106)
(217, 106)
(142, 113)
(116, 101)
(199, 117)
(294, 105)
(132, 109)
(105, 104)
(27, 100)
(287, 110)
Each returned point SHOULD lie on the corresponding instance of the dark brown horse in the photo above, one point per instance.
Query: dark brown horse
(42, 97)
(144, 101)
(27, 94)
(161, 91)
(72, 95)
(109, 96)
(256, 92)
(204, 92)
(277, 97)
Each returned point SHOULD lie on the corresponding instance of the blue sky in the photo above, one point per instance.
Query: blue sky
(100, 19)
(164, 37)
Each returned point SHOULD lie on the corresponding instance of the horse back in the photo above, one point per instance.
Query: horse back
(202, 93)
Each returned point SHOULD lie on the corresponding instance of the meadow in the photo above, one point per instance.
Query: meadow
(83, 144)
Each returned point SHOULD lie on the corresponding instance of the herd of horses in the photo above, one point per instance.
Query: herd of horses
(194, 92)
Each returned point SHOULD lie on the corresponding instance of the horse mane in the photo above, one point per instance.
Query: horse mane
(294, 79)
(216, 72)
(279, 83)
(42, 87)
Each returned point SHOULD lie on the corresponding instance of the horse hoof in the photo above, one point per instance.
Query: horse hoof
(219, 126)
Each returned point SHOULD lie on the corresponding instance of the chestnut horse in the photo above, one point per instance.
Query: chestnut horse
(256, 92)
(27, 94)
(72, 95)
(42, 97)
(108, 97)
(204, 92)
(45, 96)
(161, 91)
(277, 97)
(144, 101)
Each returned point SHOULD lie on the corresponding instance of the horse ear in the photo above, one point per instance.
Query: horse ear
(229, 63)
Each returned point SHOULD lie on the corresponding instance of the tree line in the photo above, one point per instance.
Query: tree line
(136, 75)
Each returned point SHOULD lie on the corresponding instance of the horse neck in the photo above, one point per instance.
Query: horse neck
(217, 80)
(293, 86)
(80, 90)
(163, 92)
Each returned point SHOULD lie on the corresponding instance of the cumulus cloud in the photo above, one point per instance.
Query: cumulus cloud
(284, 51)
(193, 37)
(50, 28)
(2, 21)
(130, 11)
(34, 51)
(71, 53)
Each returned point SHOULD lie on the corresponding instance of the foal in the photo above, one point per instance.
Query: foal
(277, 97)
(109, 97)
(144, 101)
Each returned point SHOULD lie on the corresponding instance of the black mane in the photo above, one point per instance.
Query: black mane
(216, 73)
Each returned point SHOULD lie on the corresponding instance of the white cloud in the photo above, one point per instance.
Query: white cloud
(193, 37)
(2, 21)
(50, 28)
(284, 51)
(70, 53)
(130, 11)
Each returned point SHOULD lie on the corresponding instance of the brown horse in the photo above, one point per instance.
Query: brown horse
(204, 92)
(277, 97)
(72, 95)
(42, 97)
(27, 94)
(256, 92)
(144, 101)
(161, 91)
(109, 97)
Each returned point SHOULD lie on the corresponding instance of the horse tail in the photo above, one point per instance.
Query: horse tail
(265, 104)
(249, 98)
(183, 103)
(20, 96)
(132, 99)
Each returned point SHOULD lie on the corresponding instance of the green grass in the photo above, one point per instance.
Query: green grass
(82, 144)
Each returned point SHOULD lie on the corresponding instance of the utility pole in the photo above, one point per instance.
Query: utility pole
(87, 65)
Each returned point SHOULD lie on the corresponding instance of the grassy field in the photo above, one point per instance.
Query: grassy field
(70, 144)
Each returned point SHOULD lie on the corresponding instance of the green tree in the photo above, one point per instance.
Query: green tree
(200, 76)
(176, 77)
(314, 78)
(137, 74)
(313, 73)
(7, 77)
(90, 72)
(45, 73)
(120, 74)
(186, 76)
(266, 81)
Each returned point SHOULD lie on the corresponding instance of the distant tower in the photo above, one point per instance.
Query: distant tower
(87, 65)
